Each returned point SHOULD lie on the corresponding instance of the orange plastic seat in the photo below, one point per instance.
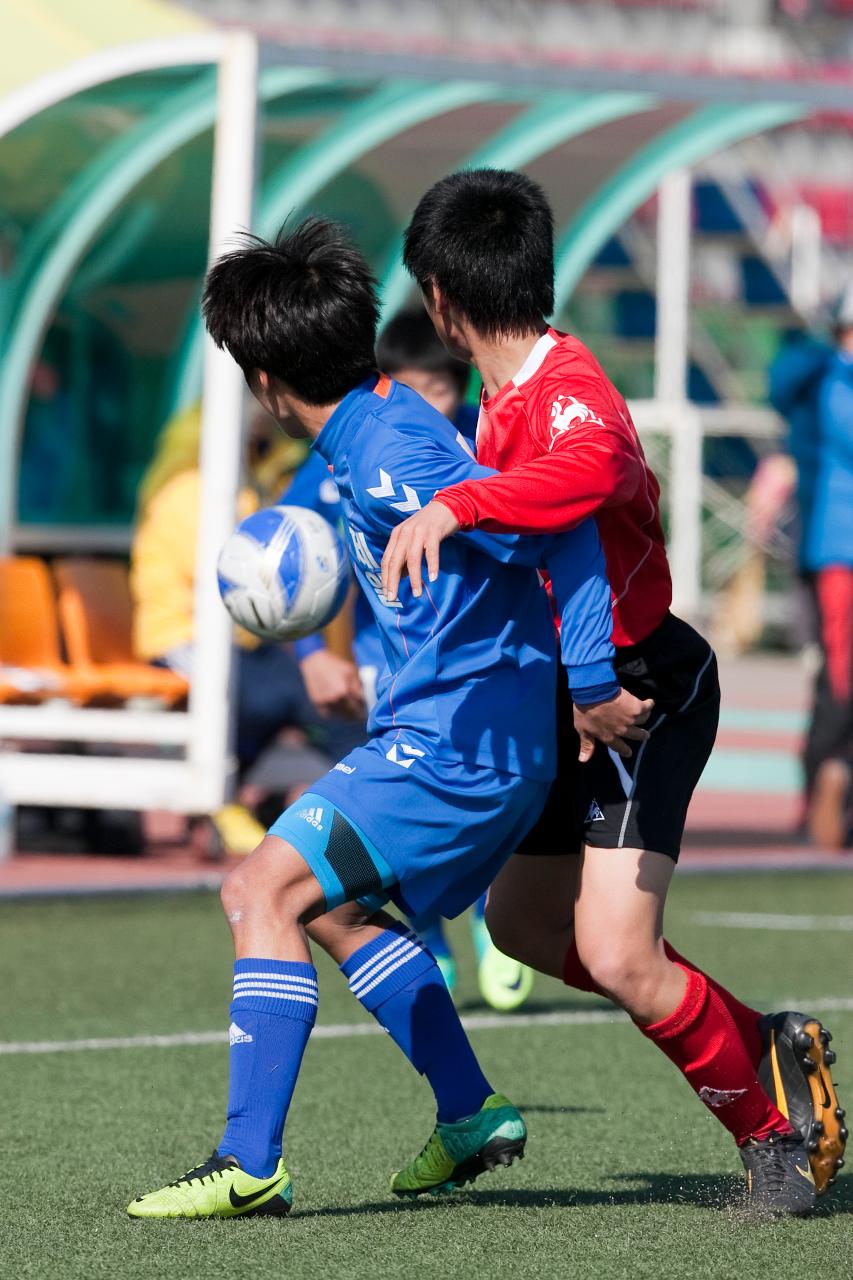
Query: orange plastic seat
(96, 616)
(29, 637)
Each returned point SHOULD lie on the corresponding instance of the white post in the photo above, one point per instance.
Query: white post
(671, 368)
(806, 248)
(673, 286)
(211, 736)
(685, 511)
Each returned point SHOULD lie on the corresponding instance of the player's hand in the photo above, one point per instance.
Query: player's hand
(421, 535)
(616, 723)
(333, 685)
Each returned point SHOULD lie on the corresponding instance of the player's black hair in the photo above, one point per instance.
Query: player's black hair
(409, 341)
(486, 237)
(303, 308)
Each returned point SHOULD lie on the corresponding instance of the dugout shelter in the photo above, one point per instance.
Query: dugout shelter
(135, 139)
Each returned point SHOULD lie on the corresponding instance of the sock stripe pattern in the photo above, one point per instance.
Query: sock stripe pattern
(396, 979)
(272, 1012)
(276, 986)
(388, 964)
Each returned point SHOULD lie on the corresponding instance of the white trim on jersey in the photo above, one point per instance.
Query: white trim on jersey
(535, 359)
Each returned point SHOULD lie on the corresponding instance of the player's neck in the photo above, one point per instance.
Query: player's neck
(498, 360)
(312, 417)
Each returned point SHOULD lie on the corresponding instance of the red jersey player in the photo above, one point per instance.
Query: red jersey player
(583, 899)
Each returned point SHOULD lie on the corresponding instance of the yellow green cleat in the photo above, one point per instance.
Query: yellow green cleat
(219, 1188)
(504, 983)
(458, 1153)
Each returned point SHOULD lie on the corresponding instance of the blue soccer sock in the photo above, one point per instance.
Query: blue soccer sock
(272, 1013)
(398, 981)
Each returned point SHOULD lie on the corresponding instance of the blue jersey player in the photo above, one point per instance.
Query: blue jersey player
(409, 350)
(462, 745)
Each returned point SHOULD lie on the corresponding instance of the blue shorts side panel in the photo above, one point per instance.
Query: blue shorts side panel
(307, 825)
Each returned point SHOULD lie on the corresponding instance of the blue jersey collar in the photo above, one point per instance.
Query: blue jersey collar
(335, 436)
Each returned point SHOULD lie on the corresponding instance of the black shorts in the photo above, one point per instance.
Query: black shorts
(641, 803)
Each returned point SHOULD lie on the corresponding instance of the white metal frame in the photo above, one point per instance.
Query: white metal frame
(37, 95)
(198, 781)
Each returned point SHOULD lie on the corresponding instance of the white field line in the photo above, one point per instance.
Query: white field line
(349, 1030)
(766, 920)
(326, 1031)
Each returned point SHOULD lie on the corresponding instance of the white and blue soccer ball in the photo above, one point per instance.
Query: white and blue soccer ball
(283, 573)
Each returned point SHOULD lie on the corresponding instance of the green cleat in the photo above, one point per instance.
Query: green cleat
(459, 1153)
(219, 1188)
(504, 983)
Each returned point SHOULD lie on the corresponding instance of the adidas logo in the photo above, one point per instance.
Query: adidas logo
(345, 768)
(594, 813)
(236, 1035)
(314, 816)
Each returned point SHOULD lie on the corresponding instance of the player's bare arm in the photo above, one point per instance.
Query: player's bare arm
(417, 538)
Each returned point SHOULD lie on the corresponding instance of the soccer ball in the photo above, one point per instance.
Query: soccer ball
(283, 573)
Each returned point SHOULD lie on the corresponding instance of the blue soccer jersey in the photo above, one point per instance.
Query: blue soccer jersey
(472, 656)
(312, 486)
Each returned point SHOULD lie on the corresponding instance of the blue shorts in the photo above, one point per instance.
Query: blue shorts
(391, 822)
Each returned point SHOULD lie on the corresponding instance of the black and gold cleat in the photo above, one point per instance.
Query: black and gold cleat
(778, 1177)
(795, 1072)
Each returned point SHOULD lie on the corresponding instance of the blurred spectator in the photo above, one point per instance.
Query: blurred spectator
(812, 386)
(274, 714)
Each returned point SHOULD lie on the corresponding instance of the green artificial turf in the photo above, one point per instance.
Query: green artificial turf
(626, 1175)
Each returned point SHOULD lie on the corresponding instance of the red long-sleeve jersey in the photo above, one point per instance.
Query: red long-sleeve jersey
(563, 437)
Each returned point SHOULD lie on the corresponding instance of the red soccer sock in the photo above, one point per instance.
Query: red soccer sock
(575, 974)
(701, 1038)
(745, 1019)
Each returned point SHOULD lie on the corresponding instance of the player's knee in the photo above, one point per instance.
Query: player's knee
(265, 883)
(506, 929)
(619, 971)
(234, 893)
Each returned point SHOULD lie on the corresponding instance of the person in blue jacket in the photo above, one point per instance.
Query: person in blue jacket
(410, 351)
(811, 385)
(462, 745)
(828, 555)
(794, 383)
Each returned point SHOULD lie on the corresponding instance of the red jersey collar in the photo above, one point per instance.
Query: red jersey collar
(532, 365)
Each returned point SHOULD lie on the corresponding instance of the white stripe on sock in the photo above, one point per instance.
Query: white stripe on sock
(381, 977)
(278, 995)
(399, 956)
(269, 991)
(399, 939)
(279, 977)
(277, 986)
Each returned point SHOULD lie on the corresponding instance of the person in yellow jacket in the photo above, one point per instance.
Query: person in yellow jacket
(274, 700)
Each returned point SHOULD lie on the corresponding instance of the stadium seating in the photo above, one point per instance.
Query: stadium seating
(95, 613)
(31, 665)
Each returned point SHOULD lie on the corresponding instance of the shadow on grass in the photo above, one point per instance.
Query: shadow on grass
(539, 1006)
(544, 1108)
(722, 1194)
